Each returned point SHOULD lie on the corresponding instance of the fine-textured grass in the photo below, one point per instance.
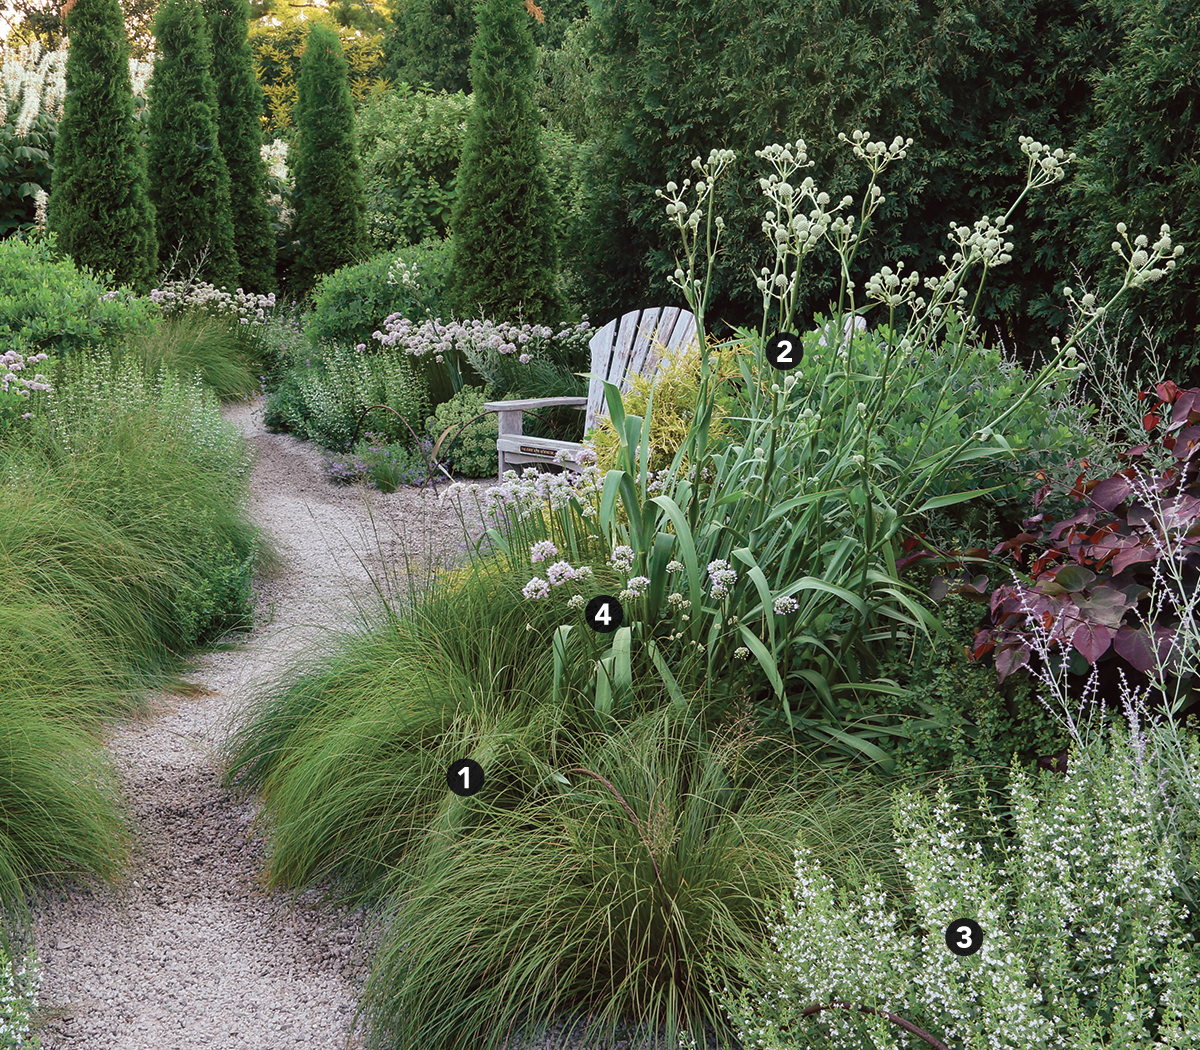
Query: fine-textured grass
(609, 894)
(532, 893)
(123, 539)
(191, 342)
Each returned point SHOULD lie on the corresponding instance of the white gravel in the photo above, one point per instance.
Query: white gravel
(190, 950)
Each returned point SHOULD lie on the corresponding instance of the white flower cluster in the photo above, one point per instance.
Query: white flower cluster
(245, 306)
(37, 81)
(1078, 913)
(19, 989)
(479, 340)
(723, 578)
(529, 493)
(274, 155)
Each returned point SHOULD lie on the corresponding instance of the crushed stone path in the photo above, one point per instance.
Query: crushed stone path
(190, 950)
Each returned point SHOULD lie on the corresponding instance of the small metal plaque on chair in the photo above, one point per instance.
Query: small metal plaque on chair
(534, 451)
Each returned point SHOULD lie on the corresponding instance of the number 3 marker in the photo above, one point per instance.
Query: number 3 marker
(964, 937)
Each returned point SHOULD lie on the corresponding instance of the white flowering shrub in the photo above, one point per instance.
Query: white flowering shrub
(246, 307)
(19, 986)
(32, 90)
(1083, 942)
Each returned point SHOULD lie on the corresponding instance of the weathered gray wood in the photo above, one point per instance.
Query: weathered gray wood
(625, 347)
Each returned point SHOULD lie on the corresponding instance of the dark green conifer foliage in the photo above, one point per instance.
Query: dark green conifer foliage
(100, 195)
(1138, 165)
(505, 248)
(330, 210)
(239, 113)
(189, 182)
(963, 78)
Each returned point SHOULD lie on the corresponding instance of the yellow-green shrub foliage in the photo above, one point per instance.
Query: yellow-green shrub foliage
(676, 387)
(278, 47)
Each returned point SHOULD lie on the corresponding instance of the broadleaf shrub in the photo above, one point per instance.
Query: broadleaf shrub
(473, 453)
(49, 304)
(323, 399)
(353, 301)
(411, 142)
(1094, 572)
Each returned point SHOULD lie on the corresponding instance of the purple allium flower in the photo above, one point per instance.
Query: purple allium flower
(536, 588)
(542, 550)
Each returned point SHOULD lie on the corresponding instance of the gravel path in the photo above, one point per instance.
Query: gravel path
(190, 950)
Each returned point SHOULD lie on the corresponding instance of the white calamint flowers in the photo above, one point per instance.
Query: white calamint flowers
(1084, 944)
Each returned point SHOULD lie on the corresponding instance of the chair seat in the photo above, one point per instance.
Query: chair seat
(625, 347)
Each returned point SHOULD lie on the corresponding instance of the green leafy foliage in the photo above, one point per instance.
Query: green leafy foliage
(430, 41)
(101, 204)
(411, 145)
(962, 718)
(323, 399)
(352, 302)
(473, 453)
(25, 167)
(330, 210)
(278, 54)
(219, 596)
(931, 406)
(189, 180)
(49, 303)
(239, 112)
(504, 218)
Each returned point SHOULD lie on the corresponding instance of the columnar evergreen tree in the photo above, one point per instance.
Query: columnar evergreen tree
(239, 118)
(189, 182)
(1138, 166)
(330, 213)
(504, 217)
(99, 201)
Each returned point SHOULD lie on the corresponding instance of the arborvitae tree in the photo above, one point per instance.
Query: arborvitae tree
(239, 116)
(189, 182)
(330, 220)
(504, 217)
(963, 78)
(1138, 166)
(99, 201)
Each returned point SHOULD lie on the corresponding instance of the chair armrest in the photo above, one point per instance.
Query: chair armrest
(534, 402)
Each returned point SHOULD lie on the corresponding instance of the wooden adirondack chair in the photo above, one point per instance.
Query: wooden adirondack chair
(623, 348)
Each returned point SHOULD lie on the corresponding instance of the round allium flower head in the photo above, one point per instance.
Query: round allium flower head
(622, 558)
(560, 572)
(542, 550)
(536, 588)
(786, 604)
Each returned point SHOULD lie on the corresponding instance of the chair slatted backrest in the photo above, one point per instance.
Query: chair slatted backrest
(629, 346)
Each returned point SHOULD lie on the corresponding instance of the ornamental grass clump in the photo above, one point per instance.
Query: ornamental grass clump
(807, 502)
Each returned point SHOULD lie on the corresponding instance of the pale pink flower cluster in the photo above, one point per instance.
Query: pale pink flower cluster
(10, 364)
